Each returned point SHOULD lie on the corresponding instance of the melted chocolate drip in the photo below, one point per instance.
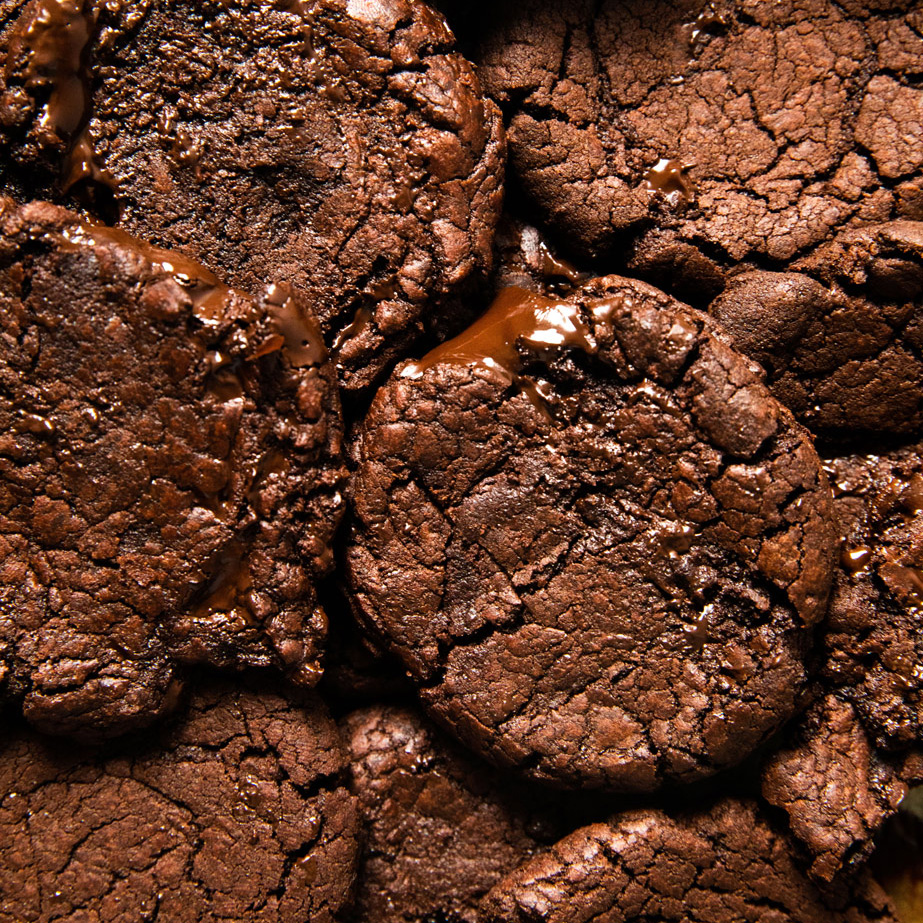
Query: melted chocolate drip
(516, 316)
(209, 296)
(302, 338)
(669, 177)
(57, 43)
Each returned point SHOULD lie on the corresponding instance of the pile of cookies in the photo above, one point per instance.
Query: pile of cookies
(460, 476)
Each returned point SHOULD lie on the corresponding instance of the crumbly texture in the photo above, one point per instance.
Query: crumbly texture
(846, 763)
(237, 811)
(840, 339)
(835, 787)
(341, 147)
(711, 131)
(873, 645)
(722, 864)
(441, 828)
(170, 475)
(570, 603)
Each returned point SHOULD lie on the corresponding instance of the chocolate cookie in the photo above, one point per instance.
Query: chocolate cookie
(442, 829)
(846, 764)
(237, 811)
(710, 132)
(840, 340)
(594, 538)
(873, 644)
(836, 788)
(170, 474)
(723, 863)
(343, 148)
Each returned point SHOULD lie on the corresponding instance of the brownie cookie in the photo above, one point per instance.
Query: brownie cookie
(710, 132)
(835, 787)
(594, 538)
(170, 474)
(723, 863)
(873, 645)
(441, 828)
(840, 339)
(847, 763)
(341, 147)
(236, 811)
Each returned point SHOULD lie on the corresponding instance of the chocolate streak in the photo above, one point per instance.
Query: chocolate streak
(57, 42)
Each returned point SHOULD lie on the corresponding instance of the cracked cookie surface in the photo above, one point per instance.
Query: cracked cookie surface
(840, 336)
(710, 132)
(342, 148)
(236, 810)
(170, 474)
(848, 761)
(721, 864)
(594, 538)
(442, 828)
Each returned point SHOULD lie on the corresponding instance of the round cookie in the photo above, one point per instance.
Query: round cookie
(343, 148)
(442, 829)
(710, 131)
(594, 538)
(170, 474)
(723, 863)
(236, 811)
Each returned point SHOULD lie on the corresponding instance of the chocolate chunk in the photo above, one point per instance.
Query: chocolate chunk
(343, 148)
(236, 811)
(707, 132)
(839, 340)
(724, 863)
(594, 538)
(442, 829)
(170, 474)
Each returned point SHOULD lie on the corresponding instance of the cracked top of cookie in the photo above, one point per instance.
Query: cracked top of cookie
(170, 474)
(442, 826)
(872, 642)
(714, 131)
(594, 538)
(237, 810)
(726, 862)
(341, 147)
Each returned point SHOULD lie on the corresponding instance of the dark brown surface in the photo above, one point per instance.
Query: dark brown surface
(841, 339)
(343, 148)
(846, 764)
(570, 603)
(836, 788)
(169, 475)
(718, 131)
(441, 828)
(705, 137)
(235, 811)
(873, 639)
(725, 863)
